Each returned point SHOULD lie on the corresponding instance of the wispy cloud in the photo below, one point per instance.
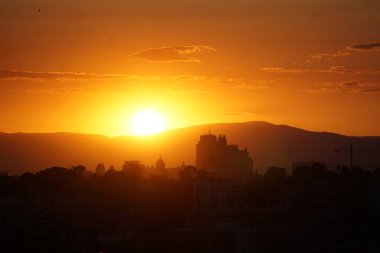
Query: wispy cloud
(184, 83)
(361, 48)
(113, 89)
(341, 70)
(247, 84)
(282, 70)
(345, 87)
(49, 76)
(172, 54)
(251, 87)
(188, 77)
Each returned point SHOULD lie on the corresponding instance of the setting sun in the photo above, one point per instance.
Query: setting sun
(147, 122)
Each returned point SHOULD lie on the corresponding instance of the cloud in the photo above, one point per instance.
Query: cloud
(281, 70)
(345, 87)
(57, 90)
(172, 54)
(328, 56)
(233, 83)
(341, 70)
(188, 77)
(50, 76)
(361, 48)
(251, 87)
(351, 84)
(15, 74)
(183, 83)
(246, 84)
(375, 46)
(371, 90)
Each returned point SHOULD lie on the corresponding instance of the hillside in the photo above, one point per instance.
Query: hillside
(268, 144)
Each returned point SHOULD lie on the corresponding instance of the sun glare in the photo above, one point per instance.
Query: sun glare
(147, 122)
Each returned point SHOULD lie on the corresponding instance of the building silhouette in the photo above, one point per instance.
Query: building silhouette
(100, 169)
(160, 167)
(133, 166)
(227, 161)
(160, 164)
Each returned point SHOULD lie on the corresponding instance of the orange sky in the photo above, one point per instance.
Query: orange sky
(89, 66)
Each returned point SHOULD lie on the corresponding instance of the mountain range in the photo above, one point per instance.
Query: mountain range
(268, 145)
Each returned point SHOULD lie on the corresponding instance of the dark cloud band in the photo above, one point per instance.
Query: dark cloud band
(365, 47)
(362, 48)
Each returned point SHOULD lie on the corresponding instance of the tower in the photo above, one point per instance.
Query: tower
(160, 166)
(226, 161)
(206, 152)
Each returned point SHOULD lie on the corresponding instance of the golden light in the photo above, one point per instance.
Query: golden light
(147, 122)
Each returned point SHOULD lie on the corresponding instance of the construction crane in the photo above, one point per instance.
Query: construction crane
(351, 151)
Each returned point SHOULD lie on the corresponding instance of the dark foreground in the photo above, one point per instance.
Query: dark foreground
(311, 210)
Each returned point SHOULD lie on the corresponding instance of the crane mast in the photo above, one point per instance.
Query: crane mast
(351, 151)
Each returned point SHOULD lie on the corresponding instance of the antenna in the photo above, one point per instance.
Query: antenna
(352, 150)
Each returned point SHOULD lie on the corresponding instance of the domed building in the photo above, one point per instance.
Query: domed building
(160, 167)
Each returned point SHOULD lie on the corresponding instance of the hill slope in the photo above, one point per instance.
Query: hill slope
(268, 145)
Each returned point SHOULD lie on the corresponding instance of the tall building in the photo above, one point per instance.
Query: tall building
(206, 153)
(227, 161)
(160, 168)
(160, 164)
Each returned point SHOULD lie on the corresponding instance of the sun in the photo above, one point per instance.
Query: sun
(147, 122)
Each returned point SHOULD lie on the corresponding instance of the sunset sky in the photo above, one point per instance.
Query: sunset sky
(89, 66)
